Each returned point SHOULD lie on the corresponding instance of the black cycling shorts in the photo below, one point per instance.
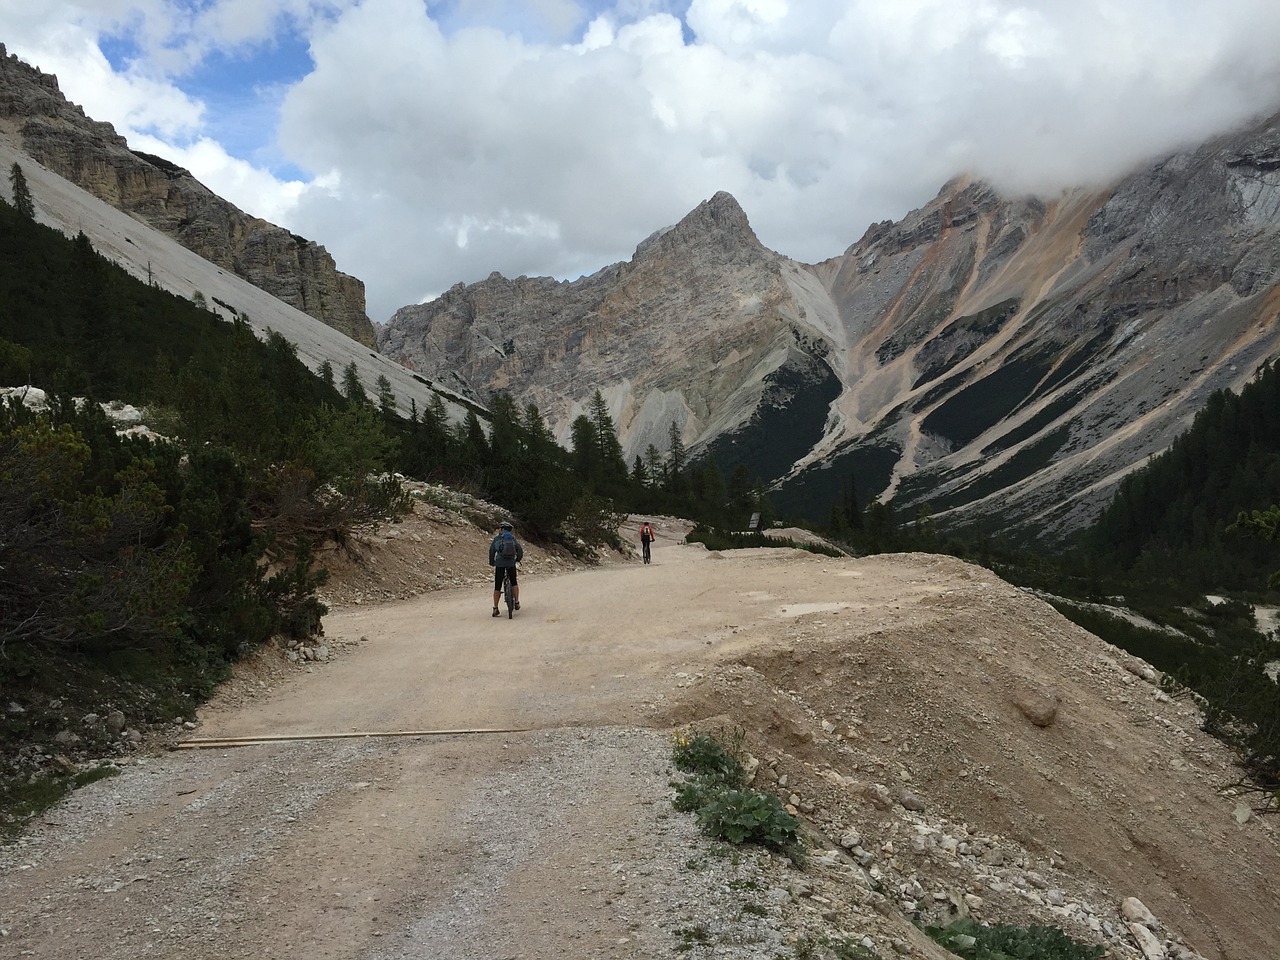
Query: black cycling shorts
(497, 576)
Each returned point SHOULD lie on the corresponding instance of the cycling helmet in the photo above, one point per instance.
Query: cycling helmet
(506, 525)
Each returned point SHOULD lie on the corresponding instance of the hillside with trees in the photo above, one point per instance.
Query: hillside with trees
(140, 566)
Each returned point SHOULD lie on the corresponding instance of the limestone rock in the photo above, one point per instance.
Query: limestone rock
(1038, 706)
(93, 156)
(934, 342)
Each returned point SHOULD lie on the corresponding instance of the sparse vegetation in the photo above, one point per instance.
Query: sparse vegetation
(714, 539)
(22, 200)
(974, 941)
(692, 936)
(725, 807)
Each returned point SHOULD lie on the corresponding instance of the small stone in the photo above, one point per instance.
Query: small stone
(850, 839)
(911, 802)
(1148, 943)
(1135, 911)
(1040, 707)
(115, 721)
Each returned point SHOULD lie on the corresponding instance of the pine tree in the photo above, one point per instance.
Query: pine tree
(654, 466)
(352, 389)
(586, 450)
(386, 398)
(675, 458)
(613, 465)
(326, 373)
(22, 201)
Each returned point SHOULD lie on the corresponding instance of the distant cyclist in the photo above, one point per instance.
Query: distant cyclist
(504, 553)
(647, 536)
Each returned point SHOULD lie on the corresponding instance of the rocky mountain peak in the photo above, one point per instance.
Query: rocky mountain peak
(719, 224)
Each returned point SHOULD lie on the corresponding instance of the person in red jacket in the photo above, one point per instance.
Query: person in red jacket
(646, 537)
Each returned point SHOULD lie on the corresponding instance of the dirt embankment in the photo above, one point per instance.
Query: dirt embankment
(952, 745)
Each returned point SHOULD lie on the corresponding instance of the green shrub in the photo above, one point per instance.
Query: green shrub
(749, 816)
(705, 759)
(725, 810)
(716, 539)
(973, 941)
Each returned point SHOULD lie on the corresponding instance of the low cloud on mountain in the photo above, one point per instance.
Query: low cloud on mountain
(430, 144)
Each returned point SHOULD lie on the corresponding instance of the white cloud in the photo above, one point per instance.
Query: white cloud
(456, 137)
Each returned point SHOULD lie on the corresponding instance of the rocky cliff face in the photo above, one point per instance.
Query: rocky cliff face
(697, 329)
(1002, 362)
(94, 157)
(1009, 361)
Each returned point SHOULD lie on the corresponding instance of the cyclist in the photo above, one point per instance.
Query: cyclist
(647, 537)
(504, 553)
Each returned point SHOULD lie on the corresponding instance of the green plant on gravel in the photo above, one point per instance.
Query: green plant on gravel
(705, 759)
(973, 941)
(22, 799)
(825, 948)
(693, 936)
(725, 809)
(742, 816)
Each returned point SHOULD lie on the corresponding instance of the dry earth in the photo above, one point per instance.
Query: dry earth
(952, 745)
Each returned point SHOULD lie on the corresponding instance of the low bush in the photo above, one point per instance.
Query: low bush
(725, 808)
(749, 816)
(716, 539)
(973, 941)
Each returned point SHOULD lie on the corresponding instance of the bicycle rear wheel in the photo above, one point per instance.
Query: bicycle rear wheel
(509, 595)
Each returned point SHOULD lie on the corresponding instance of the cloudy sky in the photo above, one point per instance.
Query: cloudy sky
(427, 142)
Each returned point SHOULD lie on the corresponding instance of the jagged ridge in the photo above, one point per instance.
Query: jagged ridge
(93, 156)
(1003, 361)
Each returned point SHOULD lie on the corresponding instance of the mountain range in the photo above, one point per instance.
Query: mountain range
(149, 252)
(998, 362)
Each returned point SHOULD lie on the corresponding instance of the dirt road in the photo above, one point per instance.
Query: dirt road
(560, 841)
(479, 845)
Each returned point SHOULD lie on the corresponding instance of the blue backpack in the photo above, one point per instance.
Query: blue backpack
(506, 547)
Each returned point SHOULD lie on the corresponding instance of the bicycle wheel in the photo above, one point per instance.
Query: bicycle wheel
(509, 595)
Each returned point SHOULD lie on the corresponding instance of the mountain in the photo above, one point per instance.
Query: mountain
(157, 258)
(93, 156)
(695, 329)
(1000, 361)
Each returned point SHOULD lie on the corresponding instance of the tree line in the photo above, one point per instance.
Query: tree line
(266, 458)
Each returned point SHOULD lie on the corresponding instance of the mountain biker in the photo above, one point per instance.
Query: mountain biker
(504, 562)
(647, 536)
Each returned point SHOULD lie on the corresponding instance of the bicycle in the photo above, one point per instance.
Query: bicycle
(508, 593)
